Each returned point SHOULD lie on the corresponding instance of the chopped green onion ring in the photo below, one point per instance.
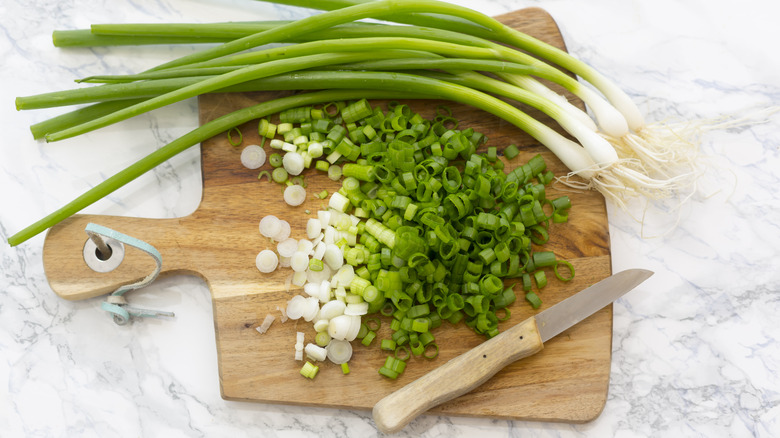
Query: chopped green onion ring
(230, 137)
(568, 265)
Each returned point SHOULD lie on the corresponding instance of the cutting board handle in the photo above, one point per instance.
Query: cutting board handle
(72, 278)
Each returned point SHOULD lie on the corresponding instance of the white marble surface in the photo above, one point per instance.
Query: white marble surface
(695, 350)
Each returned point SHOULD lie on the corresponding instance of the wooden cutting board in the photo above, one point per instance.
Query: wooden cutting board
(567, 381)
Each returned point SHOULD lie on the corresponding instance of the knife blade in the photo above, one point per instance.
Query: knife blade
(469, 370)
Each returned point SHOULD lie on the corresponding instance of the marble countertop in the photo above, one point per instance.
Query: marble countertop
(695, 349)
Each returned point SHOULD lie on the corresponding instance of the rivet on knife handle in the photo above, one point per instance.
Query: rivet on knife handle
(456, 377)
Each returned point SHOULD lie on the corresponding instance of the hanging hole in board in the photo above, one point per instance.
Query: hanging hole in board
(104, 261)
(105, 254)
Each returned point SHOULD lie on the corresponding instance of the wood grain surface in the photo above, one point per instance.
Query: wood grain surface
(567, 381)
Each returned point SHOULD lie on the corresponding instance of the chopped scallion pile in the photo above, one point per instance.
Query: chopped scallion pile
(424, 230)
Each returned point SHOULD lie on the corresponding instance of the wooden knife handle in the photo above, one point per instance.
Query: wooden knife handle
(456, 377)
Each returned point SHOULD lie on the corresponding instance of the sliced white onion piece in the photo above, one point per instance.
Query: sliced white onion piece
(341, 293)
(269, 319)
(284, 262)
(354, 327)
(330, 234)
(299, 261)
(338, 327)
(353, 298)
(299, 346)
(325, 292)
(324, 217)
(344, 327)
(351, 238)
(315, 149)
(332, 309)
(313, 228)
(356, 309)
(333, 256)
(281, 310)
(338, 202)
(306, 246)
(296, 307)
(312, 289)
(316, 352)
(299, 278)
(270, 226)
(293, 163)
(339, 351)
(321, 325)
(253, 156)
(266, 261)
(318, 276)
(319, 251)
(345, 275)
(333, 219)
(311, 308)
(344, 222)
(284, 231)
(287, 247)
(335, 216)
(294, 195)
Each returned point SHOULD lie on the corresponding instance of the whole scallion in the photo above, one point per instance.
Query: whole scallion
(638, 165)
(203, 132)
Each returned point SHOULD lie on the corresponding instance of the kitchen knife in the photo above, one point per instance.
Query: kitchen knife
(469, 370)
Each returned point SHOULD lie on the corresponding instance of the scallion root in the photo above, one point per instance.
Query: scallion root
(661, 161)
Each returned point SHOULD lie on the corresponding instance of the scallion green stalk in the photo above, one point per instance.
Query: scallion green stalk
(473, 24)
(572, 154)
(205, 86)
(569, 152)
(451, 31)
(375, 9)
(488, 28)
(192, 138)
